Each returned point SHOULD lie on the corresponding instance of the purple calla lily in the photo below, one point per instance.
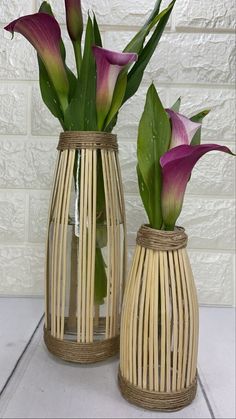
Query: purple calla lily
(177, 165)
(109, 65)
(183, 129)
(74, 19)
(43, 32)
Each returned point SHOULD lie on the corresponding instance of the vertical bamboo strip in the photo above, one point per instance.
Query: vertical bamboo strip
(80, 251)
(141, 316)
(94, 197)
(84, 249)
(185, 322)
(167, 315)
(163, 323)
(52, 198)
(149, 257)
(175, 321)
(156, 277)
(109, 238)
(89, 246)
(151, 346)
(121, 193)
(62, 222)
(180, 323)
(64, 260)
(55, 259)
(116, 237)
(132, 276)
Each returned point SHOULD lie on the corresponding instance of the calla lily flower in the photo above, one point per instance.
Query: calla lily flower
(43, 32)
(109, 65)
(183, 129)
(177, 165)
(74, 19)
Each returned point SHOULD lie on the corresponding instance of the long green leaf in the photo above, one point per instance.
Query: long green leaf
(136, 74)
(87, 83)
(118, 97)
(136, 43)
(153, 141)
(100, 285)
(198, 118)
(81, 113)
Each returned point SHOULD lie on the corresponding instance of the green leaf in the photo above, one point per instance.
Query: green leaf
(136, 44)
(118, 97)
(97, 34)
(145, 195)
(48, 93)
(100, 285)
(112, 124)
(101, 203)
(136, 74)
(198, 118)
(176, 105)
(72, 82)
(153, 141)
(81, 113)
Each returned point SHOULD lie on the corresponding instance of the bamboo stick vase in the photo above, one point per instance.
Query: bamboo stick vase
(159, 325)
(86, 249)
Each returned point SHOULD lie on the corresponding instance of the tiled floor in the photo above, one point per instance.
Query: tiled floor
(33, 384)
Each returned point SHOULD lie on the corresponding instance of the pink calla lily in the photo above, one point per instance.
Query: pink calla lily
(177, 165)
(109, 65)
(74, 19)
(183, 129)
(43, 32)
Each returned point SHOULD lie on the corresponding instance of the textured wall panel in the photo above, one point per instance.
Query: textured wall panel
(22, 269)
(13, 109)
(27, 164)
(12, 216)
(195, 59)
(10, 10)
(38, 214)
(205, 14)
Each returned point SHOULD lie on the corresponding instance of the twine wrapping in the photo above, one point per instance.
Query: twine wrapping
(153, 400)
(83, 353)
(87, 140)
(161, 240)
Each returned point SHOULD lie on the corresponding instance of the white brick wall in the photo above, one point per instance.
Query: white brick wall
(195, 59)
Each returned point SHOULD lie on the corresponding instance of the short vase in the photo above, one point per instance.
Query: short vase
(86, 250)
(159, 324)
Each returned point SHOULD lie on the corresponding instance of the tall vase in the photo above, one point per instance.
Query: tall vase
(159, 325)
(86, 249)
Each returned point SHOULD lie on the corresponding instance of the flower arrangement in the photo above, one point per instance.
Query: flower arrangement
(105, 80)
(169, 146)
(89, 100)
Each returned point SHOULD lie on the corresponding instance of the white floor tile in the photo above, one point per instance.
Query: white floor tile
(217, 359)
(18, 319)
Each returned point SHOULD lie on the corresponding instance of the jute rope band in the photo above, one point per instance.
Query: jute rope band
(161, 240)
(152, 400)
(87, 140)
(82, 353)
